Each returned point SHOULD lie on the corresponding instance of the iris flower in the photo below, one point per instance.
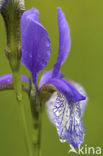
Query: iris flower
(67, 100)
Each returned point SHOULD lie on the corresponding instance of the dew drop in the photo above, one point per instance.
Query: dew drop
(62, 140)
(30, 55)
(47, 44)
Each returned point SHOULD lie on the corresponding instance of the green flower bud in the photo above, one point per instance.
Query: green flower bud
(11, 12)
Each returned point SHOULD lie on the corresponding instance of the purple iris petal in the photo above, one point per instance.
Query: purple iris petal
(31, 14)
(5, 79)
(64, 48)
(35, 43)
(64, 41)
(67, 119)
(81, 91)
(67, 89)
(25, 79)
(47, 75)
(69, 123)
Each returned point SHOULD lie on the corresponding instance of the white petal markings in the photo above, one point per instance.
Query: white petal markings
(67, 119)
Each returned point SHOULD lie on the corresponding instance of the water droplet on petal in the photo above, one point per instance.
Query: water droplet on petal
(62, 140)
(30, 55)
(47, 44)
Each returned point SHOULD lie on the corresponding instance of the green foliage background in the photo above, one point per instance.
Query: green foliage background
(84, 65)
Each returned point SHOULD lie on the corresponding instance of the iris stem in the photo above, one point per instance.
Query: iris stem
(18, 89)
(26, 134)
(12, 12)
(37, 135)
(36, 109)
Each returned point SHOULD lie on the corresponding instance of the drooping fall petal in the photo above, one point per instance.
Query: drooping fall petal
(67, 119)
(67, 89)
(5, 79)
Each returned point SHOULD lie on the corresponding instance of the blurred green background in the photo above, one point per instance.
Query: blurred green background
(84, 65)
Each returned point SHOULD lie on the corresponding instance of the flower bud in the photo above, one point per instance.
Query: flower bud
(11, 12)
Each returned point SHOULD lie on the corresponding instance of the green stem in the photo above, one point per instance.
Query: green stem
(18, 89)
(11, 13)
(17, 85)
(37, 136)
(36, 109)
(26, 134)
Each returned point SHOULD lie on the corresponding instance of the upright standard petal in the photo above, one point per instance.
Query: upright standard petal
(31, 14)
(67, 119)
(35, 43)
(64, 41)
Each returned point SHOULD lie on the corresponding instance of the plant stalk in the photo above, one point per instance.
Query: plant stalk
(36, 109)
(11, 12)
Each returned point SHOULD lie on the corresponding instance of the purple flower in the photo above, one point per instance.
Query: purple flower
(66, 104)
(64, 111)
